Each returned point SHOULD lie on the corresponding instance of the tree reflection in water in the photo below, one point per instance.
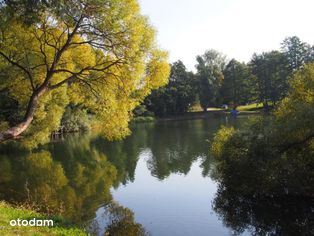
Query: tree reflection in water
(73, 185)
(70, 178)
(74, 177)
(264, 215)
(119, 221)
(262, 190)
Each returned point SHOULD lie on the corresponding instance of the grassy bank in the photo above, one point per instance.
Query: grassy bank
(196, 112)
(251, 107)
(143, 119)
(242, 108)
(8, 213)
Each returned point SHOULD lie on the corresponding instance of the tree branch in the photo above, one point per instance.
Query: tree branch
(61, 51)
(68, 80)
(74, 75)
(284, 148)
(28, 73)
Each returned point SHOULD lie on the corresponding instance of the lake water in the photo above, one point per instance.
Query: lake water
(171, 192)
(158, 179)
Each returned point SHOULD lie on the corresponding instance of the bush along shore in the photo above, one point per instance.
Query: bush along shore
(22, 221)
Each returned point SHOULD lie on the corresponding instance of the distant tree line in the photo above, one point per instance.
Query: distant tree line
(217, 81)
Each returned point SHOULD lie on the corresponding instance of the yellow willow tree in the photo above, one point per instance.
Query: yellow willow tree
(98, 53)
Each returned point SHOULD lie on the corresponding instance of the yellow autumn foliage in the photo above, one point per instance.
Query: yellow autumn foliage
(133, 67)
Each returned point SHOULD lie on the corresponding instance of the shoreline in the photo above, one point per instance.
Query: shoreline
(10, 214)
(205, 115)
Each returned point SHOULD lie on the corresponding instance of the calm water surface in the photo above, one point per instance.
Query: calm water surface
(159, 179)
(171, 192)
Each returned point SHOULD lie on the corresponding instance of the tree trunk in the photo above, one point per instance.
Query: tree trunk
(18, 129)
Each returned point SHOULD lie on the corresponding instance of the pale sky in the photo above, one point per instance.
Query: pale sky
(237, 28)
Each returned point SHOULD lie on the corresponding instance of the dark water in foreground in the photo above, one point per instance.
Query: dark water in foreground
(158, 180)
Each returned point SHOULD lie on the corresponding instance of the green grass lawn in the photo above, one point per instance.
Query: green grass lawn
(8, 213)
(250, 107)
(198, 108)
(214, 109)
